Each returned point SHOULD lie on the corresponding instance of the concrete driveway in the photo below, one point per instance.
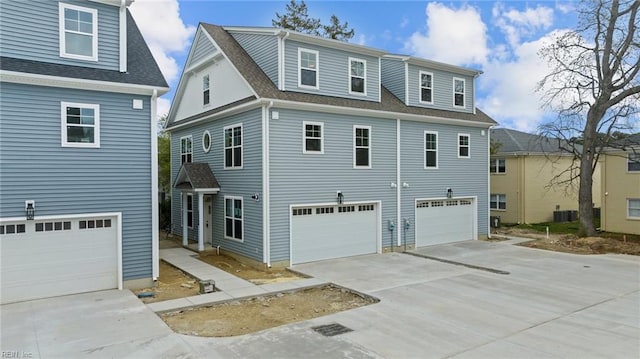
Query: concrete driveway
(550, 305)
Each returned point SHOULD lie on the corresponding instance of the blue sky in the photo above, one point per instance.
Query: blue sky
(501, 38)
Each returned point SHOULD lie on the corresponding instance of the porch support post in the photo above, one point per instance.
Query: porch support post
(185, 230)
(200, 221)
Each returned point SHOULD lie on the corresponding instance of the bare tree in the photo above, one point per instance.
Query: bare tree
(594, 87)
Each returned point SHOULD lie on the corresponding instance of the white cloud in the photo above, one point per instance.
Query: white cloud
(518, 24)
(455, 36)
(164, 31)
(163, 107)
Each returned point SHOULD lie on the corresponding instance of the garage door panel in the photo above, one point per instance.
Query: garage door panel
(444, 221)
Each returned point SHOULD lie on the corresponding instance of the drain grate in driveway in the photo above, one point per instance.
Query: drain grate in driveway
(329, 330)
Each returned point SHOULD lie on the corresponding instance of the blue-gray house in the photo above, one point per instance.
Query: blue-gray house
(289, 148)
(78, 190)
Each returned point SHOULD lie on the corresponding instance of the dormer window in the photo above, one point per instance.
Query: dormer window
(458, 92)
(426, 87)
(308, 68)
(78, 32)
(357, 76)
(205, 90)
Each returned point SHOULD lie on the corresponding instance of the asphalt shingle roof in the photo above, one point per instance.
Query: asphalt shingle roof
(515, 141)
(196, 175)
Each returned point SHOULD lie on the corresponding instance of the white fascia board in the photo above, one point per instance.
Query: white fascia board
(81, 84)
(207, 190)
(253, 30)
(232, 111)
(115, 2)
(434, 65)
(335, 44)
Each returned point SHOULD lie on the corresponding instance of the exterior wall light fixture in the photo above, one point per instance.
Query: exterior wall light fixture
(449, 193)
(30, 209)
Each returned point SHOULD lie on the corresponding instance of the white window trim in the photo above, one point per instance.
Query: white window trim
(317, 69)
(185, 153)
(96, 125)
(424, 150)
(498, 201)
(233, 198)
(208, 88)
(224, 148)
(189, 224)
(497, 171)
(62, 31)
(627, 164)
(629, 208)
(468, 145)
(304, 137)
(464, 92)
(355, 127)
(205, 148)
(420, 88)
(364, 62)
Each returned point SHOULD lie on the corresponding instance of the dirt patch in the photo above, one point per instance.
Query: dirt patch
(172, 284)
(571, 244)
(244, 271)
(263, 312)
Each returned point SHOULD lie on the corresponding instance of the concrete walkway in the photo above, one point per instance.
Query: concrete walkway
(229, 286)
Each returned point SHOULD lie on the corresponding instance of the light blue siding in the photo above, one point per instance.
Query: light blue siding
(298, 178)
(442, 89)
(233, 182)
(263, 49)
(393, 77)
(29, 30)
(202, 47)
(465, 176)
(113, 178)
(333, 70)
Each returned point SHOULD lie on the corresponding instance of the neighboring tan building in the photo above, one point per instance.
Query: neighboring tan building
(521, 173)
(621, 189)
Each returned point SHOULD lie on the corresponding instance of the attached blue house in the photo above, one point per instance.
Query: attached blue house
(289, 148)
(78, 163)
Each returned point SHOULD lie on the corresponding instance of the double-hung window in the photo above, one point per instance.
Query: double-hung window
(206, 97)
(463, 145)
(308, 68)
(362, 146)
(78, 27)
(186, 149)
(458, 92)
(357, 76)
(430, 149)
(426, 87)
(233, 146)
(497, 165)
(313, 137)
(80, 125)
(633, 162)
(233, 227)
(498, 201)
(633, 208)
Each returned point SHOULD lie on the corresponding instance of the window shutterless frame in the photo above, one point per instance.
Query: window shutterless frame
(312, 137)
(459, 87)
(361, 146)
(206, 93)
(232, 146)
(78, 32)
(430, 150)
(633, 208)
(498, 165)
(186, 149)
(308, 68)
(425, 84)
(633, 162)
(80, 125)
(357, 76)
(464, 145)
(234, 218)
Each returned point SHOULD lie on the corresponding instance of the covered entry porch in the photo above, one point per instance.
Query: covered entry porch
(196, 181)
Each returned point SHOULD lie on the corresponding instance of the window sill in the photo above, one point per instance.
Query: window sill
(233, 168)
(234, 239)
(498, 210)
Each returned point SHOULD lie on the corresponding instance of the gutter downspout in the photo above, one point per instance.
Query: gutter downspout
(398, 186)
(155, 245)
(281, 61)
(266, 206)
(488, 178)
(123, 36)
(473, 94)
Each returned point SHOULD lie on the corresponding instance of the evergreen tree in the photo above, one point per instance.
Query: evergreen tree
(297, 19)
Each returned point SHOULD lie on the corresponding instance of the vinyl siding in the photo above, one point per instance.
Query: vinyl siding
(263, 49)
(442, 89)
(113, 178)
(333, 77)
(233, 182)
(467, 177)
(393, 77)
(298, 178)
(29, 30)
(202, 47)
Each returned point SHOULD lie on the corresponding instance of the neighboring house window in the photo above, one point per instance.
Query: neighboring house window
(78, 28)
(633, 162)
(189, 210)
(463, 145)
(80, 125)
(206, 141)
(205, 90)
(308, 67)
(633, 208)
(357, 76)
(498, 201)
(458, 92)
(233, 146)
(186, 149)
(313, 138)
(426, 87)
(233, 215)
(430, 149)
(361, 146)
(498, 165)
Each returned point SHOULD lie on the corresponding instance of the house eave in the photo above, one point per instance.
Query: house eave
(434, 65)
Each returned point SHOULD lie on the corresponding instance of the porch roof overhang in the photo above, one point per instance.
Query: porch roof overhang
(196, 177)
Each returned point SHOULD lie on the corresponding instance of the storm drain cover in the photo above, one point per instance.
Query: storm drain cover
(329, 330)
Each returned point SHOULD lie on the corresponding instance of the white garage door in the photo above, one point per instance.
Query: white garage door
(444, 221)
(325, 232)
(46, 258)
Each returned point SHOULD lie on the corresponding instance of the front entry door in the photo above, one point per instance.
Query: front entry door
(208, 219)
